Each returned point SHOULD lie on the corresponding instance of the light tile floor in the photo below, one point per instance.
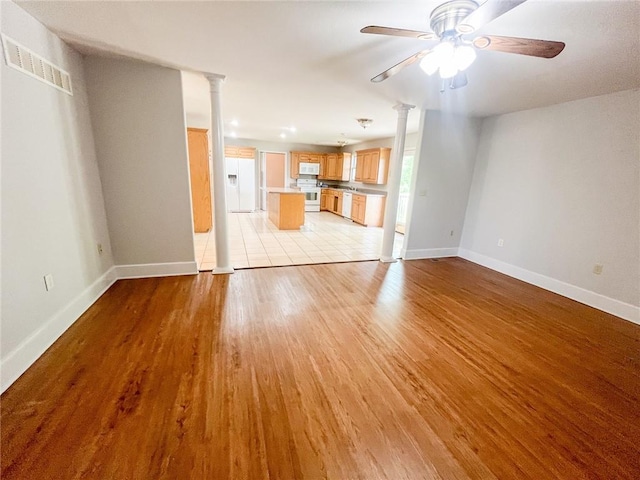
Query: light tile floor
(324, 238)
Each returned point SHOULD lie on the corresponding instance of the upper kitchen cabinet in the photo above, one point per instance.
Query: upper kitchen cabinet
(296, 158)
(373, 165)
(294, 164)
(336, 166)
(239, 152)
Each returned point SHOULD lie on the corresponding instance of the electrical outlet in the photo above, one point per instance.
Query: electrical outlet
(100, 249)
(48, 282)
(500, 242)
(597, 268)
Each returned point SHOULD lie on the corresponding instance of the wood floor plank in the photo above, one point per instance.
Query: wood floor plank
(422, 369)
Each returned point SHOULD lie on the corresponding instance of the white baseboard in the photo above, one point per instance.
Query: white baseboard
(147, 270)
(25, 354)
(610, 305)
(429, 253)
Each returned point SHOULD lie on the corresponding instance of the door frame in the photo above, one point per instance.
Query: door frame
(262, 178)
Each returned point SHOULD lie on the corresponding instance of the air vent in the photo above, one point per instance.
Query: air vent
(23, 59)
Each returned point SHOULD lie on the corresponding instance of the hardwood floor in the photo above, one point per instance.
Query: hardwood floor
(421, 369)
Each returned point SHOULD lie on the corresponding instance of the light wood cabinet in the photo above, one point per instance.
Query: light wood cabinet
(357, 208)
(323, 168)
(294, 165)
(368, 210)
(344, 167)
(286, 210)
(373, 165)
(332, 200)
(296, 158)
(335, 166)
(332, 164)
(198, 146)
(239, 152)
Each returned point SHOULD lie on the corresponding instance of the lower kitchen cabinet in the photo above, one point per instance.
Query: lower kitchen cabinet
(368, 210)
(332, 200)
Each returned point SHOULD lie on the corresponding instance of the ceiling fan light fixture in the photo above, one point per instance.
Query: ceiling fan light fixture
(444, 50)
(430, 63)
(464, 56)
(448, 70)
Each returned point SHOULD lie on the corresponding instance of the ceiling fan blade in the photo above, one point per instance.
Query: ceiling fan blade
(485, 13)
(399, 66)
(521, 46)
(398, 32)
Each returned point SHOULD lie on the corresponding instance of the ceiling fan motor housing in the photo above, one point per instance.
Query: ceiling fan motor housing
(446, 17)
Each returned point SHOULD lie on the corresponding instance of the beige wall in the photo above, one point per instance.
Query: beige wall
(138, 119)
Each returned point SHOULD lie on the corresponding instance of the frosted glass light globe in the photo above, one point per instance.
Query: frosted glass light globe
(463, 56)
(430, 63)
(448, 69)
(444, 50)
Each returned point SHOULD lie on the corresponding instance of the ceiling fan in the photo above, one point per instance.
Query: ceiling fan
(451, 23)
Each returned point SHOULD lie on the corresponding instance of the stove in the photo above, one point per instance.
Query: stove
(309, 186)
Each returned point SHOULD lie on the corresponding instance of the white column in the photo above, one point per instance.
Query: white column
(221, 231)
(393, 185)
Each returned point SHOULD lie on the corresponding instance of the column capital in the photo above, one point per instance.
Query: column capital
(403, 107)
(214, 77)
(215, 81)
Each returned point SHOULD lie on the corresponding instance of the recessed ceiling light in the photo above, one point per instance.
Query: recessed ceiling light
(292, 129)
(283, 135)
(234, 123)
(233, 134)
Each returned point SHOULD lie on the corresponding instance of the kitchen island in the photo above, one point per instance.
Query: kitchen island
(286, 208)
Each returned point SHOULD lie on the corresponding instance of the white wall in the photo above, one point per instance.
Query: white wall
(53, 212)
(442, 177)
(561, 186)
(139, 126)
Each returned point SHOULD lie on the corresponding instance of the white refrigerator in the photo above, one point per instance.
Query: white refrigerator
(241, 184)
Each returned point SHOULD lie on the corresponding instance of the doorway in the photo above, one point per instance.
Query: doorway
(405, 189)
(272, 173)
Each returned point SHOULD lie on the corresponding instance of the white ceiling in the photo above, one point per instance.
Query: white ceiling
(305, 64)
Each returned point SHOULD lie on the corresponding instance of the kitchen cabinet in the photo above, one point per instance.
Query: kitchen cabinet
(332, 201)
(296, 158)
(323, 168)
(332, 164)
(335, 166)
(198, 147)
(372, 165)
(344, 167)
(368, 210)
(294, 164)
(323, 200)
(239, 152)
(286, 209)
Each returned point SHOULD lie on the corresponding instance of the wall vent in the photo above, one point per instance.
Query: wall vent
(25, 60)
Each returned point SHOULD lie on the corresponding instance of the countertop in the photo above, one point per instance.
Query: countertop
(372, 193)
(283, 190)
